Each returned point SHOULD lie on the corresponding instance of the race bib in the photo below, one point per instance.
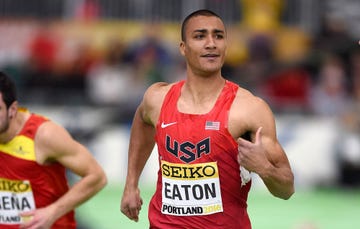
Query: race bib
(189, 190)
(15, 196)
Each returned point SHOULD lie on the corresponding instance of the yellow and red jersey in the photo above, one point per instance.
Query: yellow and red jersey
(25, 184)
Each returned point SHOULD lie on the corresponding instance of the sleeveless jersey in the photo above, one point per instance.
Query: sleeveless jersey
(199, 184)
(27, 185)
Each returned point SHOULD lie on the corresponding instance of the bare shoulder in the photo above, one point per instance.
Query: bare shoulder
(51, 141)
(248, 113)
(156, 92)
(48, 130)
(251, 101)
(152, 101)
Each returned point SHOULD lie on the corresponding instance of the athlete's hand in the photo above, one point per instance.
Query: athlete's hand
(131, 204)
(252, 155)
(36, 219)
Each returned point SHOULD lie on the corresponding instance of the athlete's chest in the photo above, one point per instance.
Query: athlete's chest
(193, 138)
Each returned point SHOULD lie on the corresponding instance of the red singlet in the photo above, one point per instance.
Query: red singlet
(199, 184)
(26, 185)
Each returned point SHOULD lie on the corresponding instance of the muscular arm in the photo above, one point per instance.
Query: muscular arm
(141, 144)
(275, 169)
(263, 154)
(54, 143)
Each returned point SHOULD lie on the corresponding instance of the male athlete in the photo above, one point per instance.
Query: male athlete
(210, 134)
(34, 153)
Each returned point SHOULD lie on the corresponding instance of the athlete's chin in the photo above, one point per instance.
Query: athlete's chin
(211, 71)
(212, 66)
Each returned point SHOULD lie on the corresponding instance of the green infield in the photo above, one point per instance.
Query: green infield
(317, 209)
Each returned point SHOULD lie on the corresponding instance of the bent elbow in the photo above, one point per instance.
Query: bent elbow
(99, 182)
(103, 181)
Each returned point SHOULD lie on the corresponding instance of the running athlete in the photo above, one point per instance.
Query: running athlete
(34, 153)
(210, 135)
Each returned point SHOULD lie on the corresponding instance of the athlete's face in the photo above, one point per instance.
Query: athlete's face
(4, 116)
(205, 45)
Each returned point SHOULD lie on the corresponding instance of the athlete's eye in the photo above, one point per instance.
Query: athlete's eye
(219, 36)
(199, 36)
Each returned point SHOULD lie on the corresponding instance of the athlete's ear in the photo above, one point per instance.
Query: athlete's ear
(182, 48)
(13, 109)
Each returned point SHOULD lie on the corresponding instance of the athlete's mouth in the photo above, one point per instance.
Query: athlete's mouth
(210, 55)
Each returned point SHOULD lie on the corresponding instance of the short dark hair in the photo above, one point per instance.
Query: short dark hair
(7, 89)
(202, 12)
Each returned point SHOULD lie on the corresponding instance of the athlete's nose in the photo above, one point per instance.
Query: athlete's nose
(210, 42)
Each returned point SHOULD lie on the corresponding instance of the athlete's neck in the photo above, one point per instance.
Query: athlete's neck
(199, 95)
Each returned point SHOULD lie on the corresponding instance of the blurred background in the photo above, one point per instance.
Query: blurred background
(86, 63)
